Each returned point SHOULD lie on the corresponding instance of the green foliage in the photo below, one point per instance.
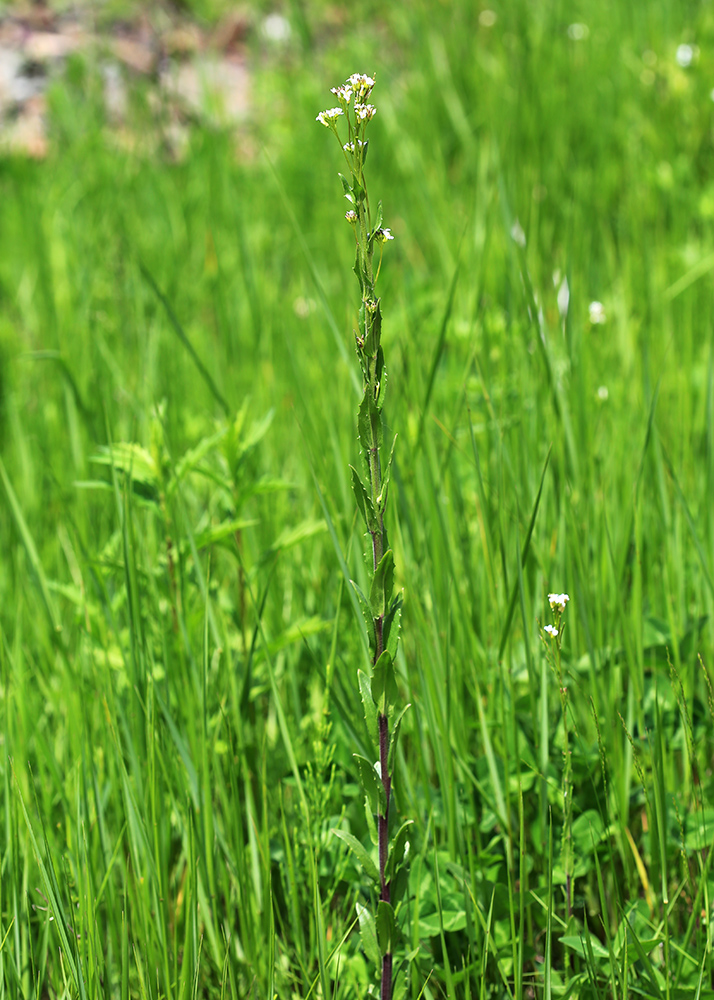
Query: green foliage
(176, 629)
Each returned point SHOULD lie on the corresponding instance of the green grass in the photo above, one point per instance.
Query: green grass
(178, 648)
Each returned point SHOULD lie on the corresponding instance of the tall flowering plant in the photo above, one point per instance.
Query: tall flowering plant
(381, 608)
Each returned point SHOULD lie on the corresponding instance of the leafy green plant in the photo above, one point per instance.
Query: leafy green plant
(381, 608)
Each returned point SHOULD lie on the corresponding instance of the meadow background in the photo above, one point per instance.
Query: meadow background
(177, 413)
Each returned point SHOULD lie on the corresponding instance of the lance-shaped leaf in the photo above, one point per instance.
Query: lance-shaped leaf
(371, 825)
(361, 853)
(392, 625)
(368, 934)
(358, 271)
(374, 327)
(385, 925)
(364, 428)
(384, 683)
(367, 615)
(378, 218)
(382, 586)
(379, 377)
(399, 884)
(364, 501)
(372, 785)
(347, 188)
(397, 849)
(394, 739)
(382, 498)
(370, 709)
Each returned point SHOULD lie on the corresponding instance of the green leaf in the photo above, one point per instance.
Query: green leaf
(578, 945)
(360, 852)
(385, 926)
(370, 709)
(374, 329)
(367, 615)
(221, 532)
(364, 428)
(379, 217)
(347, 188)
(368, 934)
(364, 501)
(190, 459)
(392, 625)
(399, 885)
(382, 498)
(371, 825)
(431, 925)
(372, 785)
(382, 585)
(397, 849)
(384, 683)
(297, 533)
(131, 459)
(394, 739)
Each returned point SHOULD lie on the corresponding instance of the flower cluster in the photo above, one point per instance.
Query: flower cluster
(357, 114)
(329, 117)
(558, 602)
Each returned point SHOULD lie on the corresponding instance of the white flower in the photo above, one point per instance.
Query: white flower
(517, 234)
(365, 111)
(563, 298)
(342, 93)
(383, 235)
(602, 393)
(361, 84)
(578, 32)
(329, 117)
(551, 630)
(597, 314)
(349, 147)
(685, 55)
(276, 28)
(351, 216)
(558, 601)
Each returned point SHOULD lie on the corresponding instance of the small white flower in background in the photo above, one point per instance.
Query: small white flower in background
(602, 393)
(551, 630)
(365, 111)
(302, 307)
(276, 28)
(597, 314)
(329, 117)
(558, 602)
(487, 18)
(563, 298)
(383, 235)
(578, 32)
(517, 234)
(685, 55)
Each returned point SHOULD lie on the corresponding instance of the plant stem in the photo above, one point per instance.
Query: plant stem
(378, 548)
(383, 830)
